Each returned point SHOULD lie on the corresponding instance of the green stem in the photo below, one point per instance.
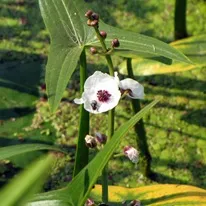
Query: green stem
(110, 118)
(104, 47)
(111, 124)
(118, 155)
(180, 19)
(141, 138)
(82, 152)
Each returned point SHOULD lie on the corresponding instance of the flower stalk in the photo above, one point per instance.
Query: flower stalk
(141, 138)
(104, 47)
(96, 100)
(110, 116)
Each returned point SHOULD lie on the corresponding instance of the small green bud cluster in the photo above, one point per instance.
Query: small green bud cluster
(93, 18)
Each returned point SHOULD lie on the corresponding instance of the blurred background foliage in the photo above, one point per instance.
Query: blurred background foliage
(175, 127)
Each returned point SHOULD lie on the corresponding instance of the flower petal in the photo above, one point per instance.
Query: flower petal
(78, 101)
(131, 153)
(116, 78)
(135, 88)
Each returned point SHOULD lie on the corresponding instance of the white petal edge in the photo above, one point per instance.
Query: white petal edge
(78, 101)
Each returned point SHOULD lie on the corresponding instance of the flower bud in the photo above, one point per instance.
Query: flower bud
(115, 43)
(94, 16)
(93, 50)
(103, 34)
(94, 23)
(43, 87)
(89, 202)
(90, 141)
(88, 14)
(131, 153)
(89, 22)
(134, 203)
(124, 203)
(101, 138)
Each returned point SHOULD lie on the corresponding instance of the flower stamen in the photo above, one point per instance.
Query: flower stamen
(103, 95)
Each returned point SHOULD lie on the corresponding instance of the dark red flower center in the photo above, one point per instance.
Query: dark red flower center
(103, 95)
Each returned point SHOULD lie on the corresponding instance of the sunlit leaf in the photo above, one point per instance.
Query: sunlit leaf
(134, 44)
(81, 185)
(68, 31)
(162, 195)
(193, 47)
(61, 64)
(27, 182)
(10, 151)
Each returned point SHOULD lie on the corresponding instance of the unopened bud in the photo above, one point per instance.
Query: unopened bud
(115, 43)
(124, 203)
(101, 138)
(94, 16)
(103, 34)
(89, 202)
(134, 203)
(131, 153)
(90, 141)
(94, 23)
(88, 14)
(93, 50)
(43, 87)
(89, 22)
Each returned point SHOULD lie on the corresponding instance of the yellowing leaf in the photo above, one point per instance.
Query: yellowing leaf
(193, 47)
(162, 194)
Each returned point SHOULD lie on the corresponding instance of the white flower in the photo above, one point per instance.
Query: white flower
(131, 153)
(101, 93)
(135, 89)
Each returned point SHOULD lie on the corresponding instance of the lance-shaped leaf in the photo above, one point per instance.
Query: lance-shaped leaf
(134, 45)
(27, 182)
(79, 188)
(68, 31)
(10, 151)
(193, 47)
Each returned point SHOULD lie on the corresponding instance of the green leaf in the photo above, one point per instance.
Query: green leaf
(81, 185)
(193, 47)
(69, 33)
(68, 30)
(82, 151)
(10, 151)
(61, 65)
(134, 44)
(27, 182)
